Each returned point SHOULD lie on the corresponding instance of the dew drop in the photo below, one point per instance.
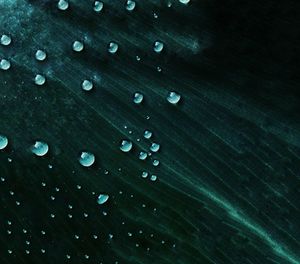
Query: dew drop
(144, 174)
(147, 134)
(130, 5)
(138, 98)
(153, 178)
(154, 147)
(126, 145)
(113, 47)
(102, 198)
(155, 163)
(4, 64)
(3, 142)
(5, 40)
(143, 155)
(87, 85)
(184, 1)
(98, 6)
(77, 46)
(40, 148)
(62, 5)
(173, 97)
(87, 159)
(39, 79)
(158, 46)
(40, 55)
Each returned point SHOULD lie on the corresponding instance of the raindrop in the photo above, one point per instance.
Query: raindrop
(143, 155)
(158, 46)
(130, 5)
(87, 159)
(173, 97)
(40, 55)
(63, 5)
(39, 79)
(126, 145)
(4, 64)
(154, 147)
(144, 174)
(78, 46)
(40, 148)
(98, 6)
(87, 85)
(113, 47)
(147, 134)
(3, 142)
(153, 178)
(5, 40)
(102, 198)
(138, 98)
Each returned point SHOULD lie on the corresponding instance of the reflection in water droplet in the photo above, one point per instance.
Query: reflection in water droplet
(3, 142)
(130, 5)
(4, 64)
(143, 155)
(98, 6)
(153, 178)
(173, 97)
(144, 174)
(184, 1)
(78, 46)
(147, 134)
(87, 159)
(154, 147)
(39, 79)
(102, 198)
(63, 4)
(5, 40)
(126, 145)
(40, 55)
(40, 148)
(87, 85)
(113, 47)
(138, 98)
(158, 46)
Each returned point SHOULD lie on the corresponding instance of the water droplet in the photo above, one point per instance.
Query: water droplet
(155, 163)
(173, 97)
(138, 98)
(153, 178)
(40, 55)
(3, 142)
(143, 155)
(4, 64)
(102, 198)
(77, 46)
(158, 46)
(155, 15)
(87, 85)
(147, 134)
(5, 40)
(39, 79)
(63, 5)
(98, 6)
(184, 1)
(130, 5)
(144, 174)
(126, 145)
(87, 159)
(40, 148)
(154, 147)
(113, 47)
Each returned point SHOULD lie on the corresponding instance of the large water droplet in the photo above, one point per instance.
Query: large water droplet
(155, 163)
(126, 145)
(143, 155)
(86, 159)
(173, 97)
(5, 40)
(39, 79)
(154, 147)
(147, 134)
(130, 5)
(63, 4)
(102, 198)
(40, 55)
(98, 6)
(184, 1)
(158, 46)
(113, 47)
(153, 178)
(87, 85)
(138, 98)
(144, 174)
(78, 46)
(4, 64)
(40, 148)
(3, 142)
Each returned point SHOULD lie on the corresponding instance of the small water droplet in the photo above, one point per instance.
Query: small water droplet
(5, 64)
(145, 174)
(87, 85)
(158, 46)
(126, 145)
(143, 155)
(40, 55)
(153, 178)
(130, 5)
(3, 142)
(138, 98)
(87, 159)
(173, 97)
(155, 163)
(113, 47)
(98, 6)
(5, 40)
(63, 5)
(102, 198)
(154, 147)
(147, 134)
(39, 79)
(77, 46)
(40, 148)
